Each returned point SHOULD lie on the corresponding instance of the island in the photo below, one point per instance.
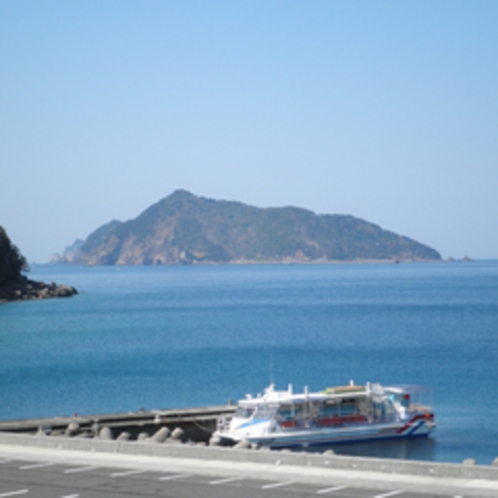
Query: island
(183, 228)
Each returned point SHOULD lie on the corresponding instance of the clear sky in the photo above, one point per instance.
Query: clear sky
(385, 110)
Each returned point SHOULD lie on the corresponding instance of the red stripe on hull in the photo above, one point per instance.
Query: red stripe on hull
(425, 416)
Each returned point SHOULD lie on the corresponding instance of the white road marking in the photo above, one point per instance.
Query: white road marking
(391, 493)
(174, 476)
(36, 466)
(330, 490)
(14, 493)
(226, 479)
(128, 473)
(79, 469)
(277, 484)
(71, 496)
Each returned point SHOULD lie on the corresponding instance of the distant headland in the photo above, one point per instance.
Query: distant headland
(185, 229)
(14, 286)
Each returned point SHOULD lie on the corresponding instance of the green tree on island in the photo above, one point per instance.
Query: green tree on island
(12, 262)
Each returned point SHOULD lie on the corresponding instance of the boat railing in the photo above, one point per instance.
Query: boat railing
(341, 420)
(322, 422)
(419, 408)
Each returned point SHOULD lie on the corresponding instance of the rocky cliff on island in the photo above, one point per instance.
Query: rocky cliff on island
(14, 286)
(185, 229)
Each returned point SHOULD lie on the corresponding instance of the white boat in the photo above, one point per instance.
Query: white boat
(282, 419)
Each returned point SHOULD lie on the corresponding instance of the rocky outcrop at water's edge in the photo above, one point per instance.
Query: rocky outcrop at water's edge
(23, 289)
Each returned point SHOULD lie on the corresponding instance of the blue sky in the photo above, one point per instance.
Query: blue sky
(385, 110)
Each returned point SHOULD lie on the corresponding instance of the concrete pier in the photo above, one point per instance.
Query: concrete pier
(197, 424)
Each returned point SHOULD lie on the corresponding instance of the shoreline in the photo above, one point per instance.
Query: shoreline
(24, 289)
(264, 263)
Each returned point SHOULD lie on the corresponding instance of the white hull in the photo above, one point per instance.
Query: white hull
(324, 436)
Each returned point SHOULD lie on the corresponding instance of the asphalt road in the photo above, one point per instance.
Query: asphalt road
(49, 479)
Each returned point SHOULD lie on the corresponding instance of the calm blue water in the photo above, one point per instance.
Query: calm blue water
(160, 337)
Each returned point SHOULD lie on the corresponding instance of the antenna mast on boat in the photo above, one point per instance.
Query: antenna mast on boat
(271, 369)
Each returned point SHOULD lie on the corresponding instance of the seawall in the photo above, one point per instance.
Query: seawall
(101, 434)
(268, 457)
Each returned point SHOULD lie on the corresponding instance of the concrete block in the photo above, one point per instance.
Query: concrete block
(72, 429)
(215, 441)
(106, 434)
(243, 445)
(124, 436)
(178, 434)
(161, 435)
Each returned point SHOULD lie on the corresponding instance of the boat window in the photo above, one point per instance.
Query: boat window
(265, 411)
(244, 412)
(329, 409)
(348, 401)
(348, 406)
(299, 410)
(285, 411)
(400, 400)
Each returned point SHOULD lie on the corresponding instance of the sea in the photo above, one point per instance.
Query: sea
(160, 337)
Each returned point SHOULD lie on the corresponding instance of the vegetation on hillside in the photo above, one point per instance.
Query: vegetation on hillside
(17, 287)
(183, 228)
(12, 262)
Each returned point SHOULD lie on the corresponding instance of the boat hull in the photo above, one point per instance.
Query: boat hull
(418, 427)
(332, 437)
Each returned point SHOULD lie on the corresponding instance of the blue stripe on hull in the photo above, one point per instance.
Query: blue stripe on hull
(347, 441)
(316, 440)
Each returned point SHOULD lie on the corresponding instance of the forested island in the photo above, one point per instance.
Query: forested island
(14, 286)
(186, 229)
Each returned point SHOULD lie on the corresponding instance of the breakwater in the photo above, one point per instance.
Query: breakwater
(194, 425)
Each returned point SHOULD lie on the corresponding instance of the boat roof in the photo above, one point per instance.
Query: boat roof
(407, 389)
(274, 397)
